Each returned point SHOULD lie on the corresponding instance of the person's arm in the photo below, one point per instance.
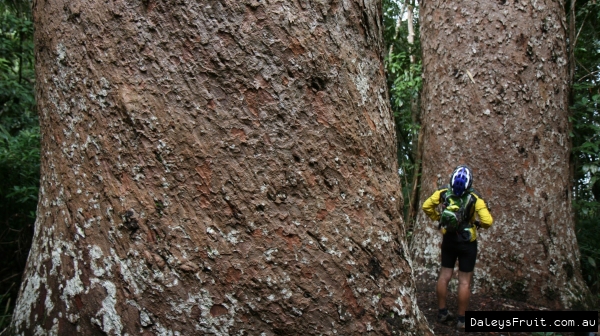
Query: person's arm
(430, 205)
(485, 218)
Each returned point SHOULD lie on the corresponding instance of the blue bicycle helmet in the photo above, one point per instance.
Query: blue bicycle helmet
(461, 180)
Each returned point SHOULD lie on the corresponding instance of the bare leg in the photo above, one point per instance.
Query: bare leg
(442, 286)
(464, 291)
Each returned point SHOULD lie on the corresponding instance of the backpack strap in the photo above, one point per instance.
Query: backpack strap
(444, 194)
(476, 193)
(470, 206)
(466, 211)
(443, 201)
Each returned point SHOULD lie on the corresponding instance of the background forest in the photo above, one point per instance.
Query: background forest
(19, 130)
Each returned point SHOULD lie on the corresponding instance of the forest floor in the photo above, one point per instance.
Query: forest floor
(427, 301)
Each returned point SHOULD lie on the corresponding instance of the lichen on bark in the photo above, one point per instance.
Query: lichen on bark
(217, 167)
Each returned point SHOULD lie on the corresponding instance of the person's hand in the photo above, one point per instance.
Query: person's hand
(478, 224)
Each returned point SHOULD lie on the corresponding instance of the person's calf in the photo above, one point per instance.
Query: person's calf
(442, 286)
(464, 291)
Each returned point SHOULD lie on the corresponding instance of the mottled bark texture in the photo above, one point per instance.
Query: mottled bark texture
(216, 167)
(495, 98)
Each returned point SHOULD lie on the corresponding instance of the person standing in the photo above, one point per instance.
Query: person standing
(463, 210)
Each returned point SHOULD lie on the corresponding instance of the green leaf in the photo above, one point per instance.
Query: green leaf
(592, 262)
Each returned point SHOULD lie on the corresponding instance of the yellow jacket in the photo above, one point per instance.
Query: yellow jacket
(480, 209)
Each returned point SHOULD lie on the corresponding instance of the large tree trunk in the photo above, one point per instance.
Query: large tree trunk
(495, 97)
(216, 167)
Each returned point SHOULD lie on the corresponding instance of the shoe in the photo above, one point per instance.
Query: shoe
(444, 317)
(460, 324)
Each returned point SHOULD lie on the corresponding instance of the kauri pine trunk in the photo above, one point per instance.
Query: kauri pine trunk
(215, 167)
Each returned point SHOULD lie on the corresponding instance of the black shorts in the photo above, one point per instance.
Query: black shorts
(466, 253)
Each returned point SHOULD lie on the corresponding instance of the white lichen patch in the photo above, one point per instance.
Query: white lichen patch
(61, 52)
(55, 261)
(375, 299)
(145, 319)
(28, 299)
(131, 271)
(207, 324)
(48, 302)
(362, 84)
(232, 237)
(286, 294)
(110, 319)
(385, 236)
(72, 287)
(269, 253)
(163, 331)
(96, 255)
(335, 252)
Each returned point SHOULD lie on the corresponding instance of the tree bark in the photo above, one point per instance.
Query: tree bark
(216, 167)
(414, 193)
(495, 97)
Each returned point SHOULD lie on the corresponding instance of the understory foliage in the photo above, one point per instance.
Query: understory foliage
(404, 86)
(19, 149)
(585, 118)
